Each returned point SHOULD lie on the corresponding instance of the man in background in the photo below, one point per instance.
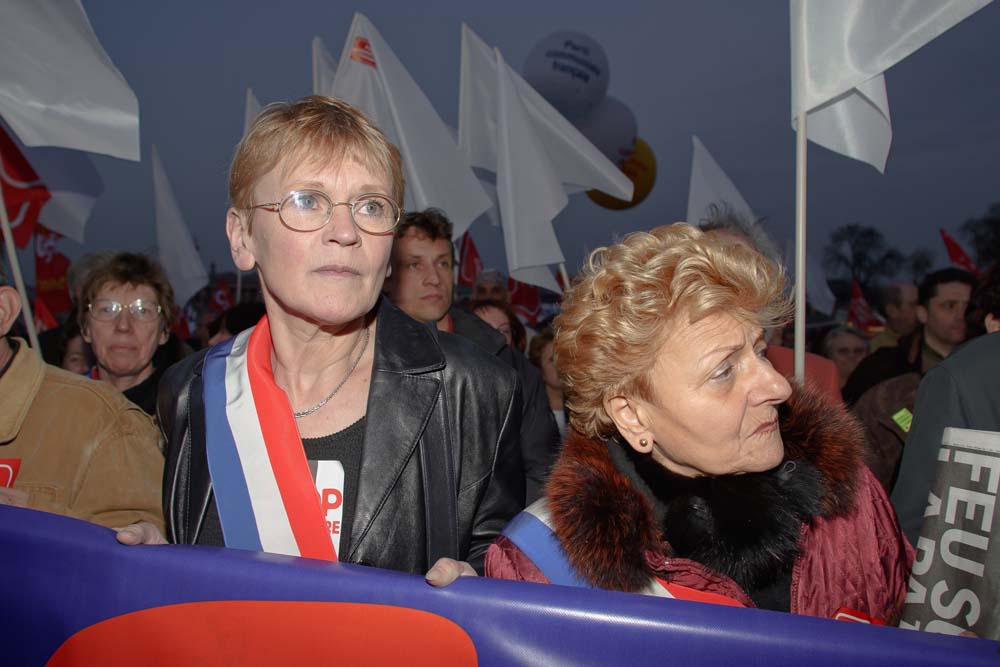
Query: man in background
(421, 284)
(899, 305)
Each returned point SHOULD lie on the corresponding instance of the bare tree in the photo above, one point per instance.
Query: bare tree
(918, 263)
(858, 252)
(984, 235)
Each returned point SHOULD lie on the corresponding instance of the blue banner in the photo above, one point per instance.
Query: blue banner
(72, 595)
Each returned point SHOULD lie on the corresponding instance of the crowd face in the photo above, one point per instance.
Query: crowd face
(846, 352)
(903, 318)
(421, 281)
(124, 346)
(944, 316)
(492, 291)
(715, 399)
(77, 356)
(497, 319)
(328, 277)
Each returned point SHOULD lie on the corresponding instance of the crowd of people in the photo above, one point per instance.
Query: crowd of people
(360, 413)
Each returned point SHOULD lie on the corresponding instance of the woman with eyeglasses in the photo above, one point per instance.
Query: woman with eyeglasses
(338, 428)
(125, 314)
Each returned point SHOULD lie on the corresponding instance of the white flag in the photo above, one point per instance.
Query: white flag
(324, 69)
(710, 185)
(840, 50)
(539, 157)
(58, 87)
(578, 163)
(178, 252)
(250, 111)
(370, 77)
(818, 292)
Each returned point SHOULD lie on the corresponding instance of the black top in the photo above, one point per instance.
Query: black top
(344, 446)
(144, 393)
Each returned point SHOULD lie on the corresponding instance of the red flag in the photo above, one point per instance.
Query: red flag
(180, 326)
(51, 267)
(957, 254)
(526, 300)
(469, 263)
(222, 298)
(23, 192)
(859, 313)
(43, 318)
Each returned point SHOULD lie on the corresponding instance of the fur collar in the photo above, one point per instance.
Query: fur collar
(610, 508)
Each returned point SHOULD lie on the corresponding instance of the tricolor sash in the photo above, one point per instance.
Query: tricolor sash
(264, 491)
(531, 531)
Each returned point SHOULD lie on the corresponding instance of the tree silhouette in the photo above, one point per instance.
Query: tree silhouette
(858, 252)
(984, 235)
(918, 263)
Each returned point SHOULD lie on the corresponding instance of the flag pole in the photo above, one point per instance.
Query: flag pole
(565, 277)
(15, 269)
(801, 143)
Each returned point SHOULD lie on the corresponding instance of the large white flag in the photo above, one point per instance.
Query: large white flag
(58, 87)
(710, 185)
(505, 126)
(250, 110)
(324, 69)
(370, 77)
(177, 250)
(840, 50)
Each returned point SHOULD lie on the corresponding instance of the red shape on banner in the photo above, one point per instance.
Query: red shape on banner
(526, 300)
(23, 192)
(180, 326)
(469, 263)
(8, 472)
(957, 254)
(362, 52)
(263, 633)
(859, 313)
(222, 297)
(51, 267)
(43, 316)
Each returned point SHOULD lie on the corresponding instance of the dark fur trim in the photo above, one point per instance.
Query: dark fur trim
(607, 525)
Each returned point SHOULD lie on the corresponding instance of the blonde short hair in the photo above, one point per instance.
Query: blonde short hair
(618, 312)
(314, 129)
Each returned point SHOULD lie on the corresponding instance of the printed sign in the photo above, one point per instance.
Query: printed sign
(8, 471)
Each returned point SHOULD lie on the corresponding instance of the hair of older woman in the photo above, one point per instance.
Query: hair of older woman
(127, 268)
(840, 330)
(518, 335)
(619, 311)
(317, 129)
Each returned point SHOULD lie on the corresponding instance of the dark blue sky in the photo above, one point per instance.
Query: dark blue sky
(712, 68)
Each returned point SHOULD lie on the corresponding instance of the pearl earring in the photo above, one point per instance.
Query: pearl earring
(643, 442)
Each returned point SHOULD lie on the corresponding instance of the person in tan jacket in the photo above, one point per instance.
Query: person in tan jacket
(71, 445)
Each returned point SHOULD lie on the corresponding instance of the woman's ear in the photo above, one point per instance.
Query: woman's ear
(237, 230)
(630, 420)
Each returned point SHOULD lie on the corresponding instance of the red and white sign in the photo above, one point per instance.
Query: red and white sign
(526, 300)
(51, 267)
(330, 486)
(469, 262)
(8, 472)
(23, 192)
(860, 313)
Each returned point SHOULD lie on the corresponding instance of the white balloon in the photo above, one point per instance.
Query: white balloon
(612, 128)
(570, 70)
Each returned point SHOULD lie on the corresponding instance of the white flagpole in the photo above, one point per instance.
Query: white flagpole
(15, 269)
(562, 272)
(801, 143)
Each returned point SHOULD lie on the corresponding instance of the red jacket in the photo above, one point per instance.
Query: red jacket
(850, 551)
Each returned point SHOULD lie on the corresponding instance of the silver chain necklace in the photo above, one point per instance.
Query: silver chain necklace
(357, 360)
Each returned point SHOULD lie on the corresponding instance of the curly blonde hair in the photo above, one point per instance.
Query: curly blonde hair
(322, 130)
(620, 309)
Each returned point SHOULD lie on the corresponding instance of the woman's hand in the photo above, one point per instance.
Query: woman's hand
(447, 570)
(140, 533)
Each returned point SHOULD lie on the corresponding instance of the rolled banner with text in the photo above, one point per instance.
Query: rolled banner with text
(955, 584)
(73, 596)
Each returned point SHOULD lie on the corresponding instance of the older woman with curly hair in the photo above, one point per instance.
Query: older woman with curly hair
(693, 469)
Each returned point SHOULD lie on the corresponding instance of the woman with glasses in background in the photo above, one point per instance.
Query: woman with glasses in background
(125, 314)
(391, 446)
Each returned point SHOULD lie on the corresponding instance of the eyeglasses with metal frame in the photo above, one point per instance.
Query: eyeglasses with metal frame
(140, 310)
(310, 210)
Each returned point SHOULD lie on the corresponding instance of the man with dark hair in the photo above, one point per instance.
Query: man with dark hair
(422, 285)
(942, 299)
(899, 305)
(70, 445)
(962, 392)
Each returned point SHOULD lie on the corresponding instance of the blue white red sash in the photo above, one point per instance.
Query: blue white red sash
(264, 491)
